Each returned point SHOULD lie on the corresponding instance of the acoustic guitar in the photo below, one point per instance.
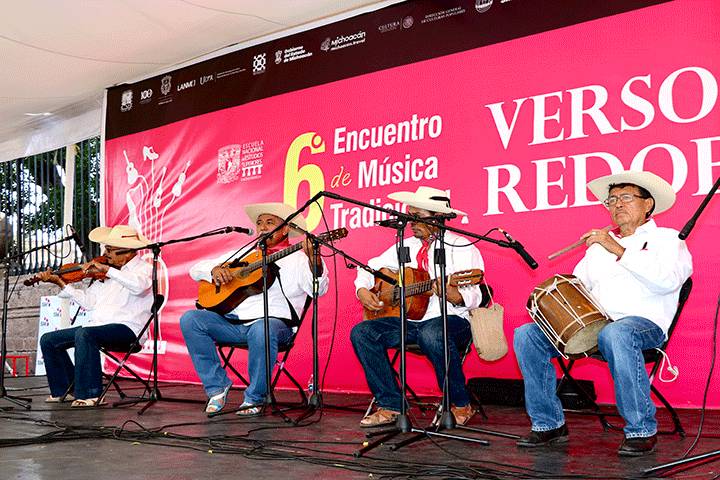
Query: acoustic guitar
(247, 277)
(418, 290)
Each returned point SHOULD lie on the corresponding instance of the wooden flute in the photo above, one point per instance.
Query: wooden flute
(574, 245)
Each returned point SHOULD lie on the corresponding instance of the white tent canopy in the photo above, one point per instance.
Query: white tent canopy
(59, 56)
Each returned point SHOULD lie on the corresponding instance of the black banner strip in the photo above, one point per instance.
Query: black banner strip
(393, 36)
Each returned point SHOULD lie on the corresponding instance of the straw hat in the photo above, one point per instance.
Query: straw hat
(282, 210)
(660, 189)
(122, 236)
(427, 198)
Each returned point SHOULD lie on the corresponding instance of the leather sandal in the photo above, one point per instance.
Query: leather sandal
(463, 414)
(86, 402)
(51, 399)
(217, 402)
(248, 409)
(382, 416)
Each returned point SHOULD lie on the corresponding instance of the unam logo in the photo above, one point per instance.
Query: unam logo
(483, 6)
(166, 84)
(229, 163)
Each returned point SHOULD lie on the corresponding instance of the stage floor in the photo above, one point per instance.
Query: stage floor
(177, 441)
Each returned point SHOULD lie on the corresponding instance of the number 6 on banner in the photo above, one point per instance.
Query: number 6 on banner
(310, 173)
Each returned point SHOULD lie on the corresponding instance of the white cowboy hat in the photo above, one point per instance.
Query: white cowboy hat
(122, 236)
(660, 189)
(282, 210)
(427, 198)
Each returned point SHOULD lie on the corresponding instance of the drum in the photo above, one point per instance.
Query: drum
(568, 315)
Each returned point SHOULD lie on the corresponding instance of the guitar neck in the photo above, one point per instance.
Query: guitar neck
(274, 257)
(418, 288)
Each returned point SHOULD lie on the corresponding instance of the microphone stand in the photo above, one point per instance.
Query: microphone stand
(154, 394)
(707, 456)
(19, 401)
(315, 402)
(403, 424)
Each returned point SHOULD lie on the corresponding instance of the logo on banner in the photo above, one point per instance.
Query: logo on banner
(207, 78)
(408, 21)
(389, 27)
(343, 41)
(259, 63)
(240, 161)
(229, 163)
(146, 95)
(126, 101)
(445, 14)
(483, 6)
(186, 85)
(293, 53)
(166, 84)
(251, 161)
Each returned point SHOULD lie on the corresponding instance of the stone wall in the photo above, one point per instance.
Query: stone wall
(23, 316)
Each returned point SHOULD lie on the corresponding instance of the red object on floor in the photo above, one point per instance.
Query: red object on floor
(13, 365)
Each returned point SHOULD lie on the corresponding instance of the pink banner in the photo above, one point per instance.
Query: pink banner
(514, 131)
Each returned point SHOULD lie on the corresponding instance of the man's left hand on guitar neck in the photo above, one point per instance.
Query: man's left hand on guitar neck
(309, 251)
(453, 293)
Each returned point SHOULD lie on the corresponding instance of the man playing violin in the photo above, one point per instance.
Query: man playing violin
(372, 338)
(635, 272)
(202, 329)
(119, 307)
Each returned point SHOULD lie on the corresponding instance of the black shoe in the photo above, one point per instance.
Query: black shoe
(637, 446)
(549, 437)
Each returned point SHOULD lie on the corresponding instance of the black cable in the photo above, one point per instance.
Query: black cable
(707, 383)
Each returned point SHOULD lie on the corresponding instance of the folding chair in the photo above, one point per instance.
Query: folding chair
(135, 347)
(652, 356)
(226, 351)
(415, 349)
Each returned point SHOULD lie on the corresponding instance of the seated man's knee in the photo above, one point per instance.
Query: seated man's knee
(523, 335)
(188, 320)
(430, 339)
(613, 334)
(360, 333)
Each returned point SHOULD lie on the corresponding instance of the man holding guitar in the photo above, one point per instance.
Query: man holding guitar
(239, 318)
(381, 331)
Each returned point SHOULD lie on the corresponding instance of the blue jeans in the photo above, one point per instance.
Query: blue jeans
(621, 343)
(87, 371)
(203, 328)
(372, 338)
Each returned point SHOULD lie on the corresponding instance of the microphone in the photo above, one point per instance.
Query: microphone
(518, 247)
(390, 222)
(78, 241)
(246, 231)
(445, 216)
(688, 227)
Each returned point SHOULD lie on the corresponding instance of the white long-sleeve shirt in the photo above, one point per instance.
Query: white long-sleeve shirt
(645, 281)
(124, 297)
(295, 275)
(459, 256)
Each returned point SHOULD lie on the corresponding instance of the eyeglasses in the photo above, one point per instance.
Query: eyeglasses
(625, 198)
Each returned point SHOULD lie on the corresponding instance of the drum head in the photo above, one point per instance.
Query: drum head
(585, 339)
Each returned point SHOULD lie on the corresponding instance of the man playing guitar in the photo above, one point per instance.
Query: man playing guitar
(202, 329)
(373, 337)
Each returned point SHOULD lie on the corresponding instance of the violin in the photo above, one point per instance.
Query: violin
(73, 272)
